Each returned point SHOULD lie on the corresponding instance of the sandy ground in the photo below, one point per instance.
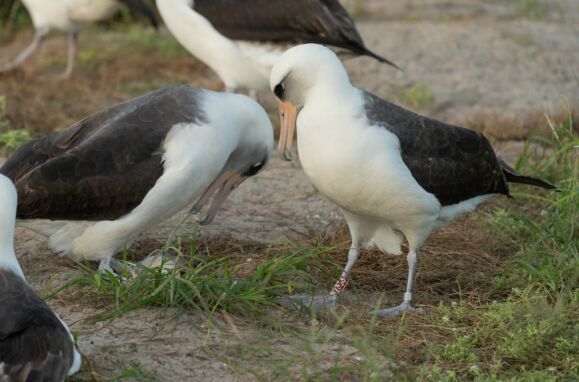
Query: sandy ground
(481, 61)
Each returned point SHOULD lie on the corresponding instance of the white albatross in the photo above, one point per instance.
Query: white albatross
(95, 186)
(69, 16)
(241, 40)
(392, 172)
(35, 344)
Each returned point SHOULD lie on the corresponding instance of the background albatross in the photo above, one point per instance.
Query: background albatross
(35, 345)
(69, 16)
(93, 187)
(391, 171)
(240, 40)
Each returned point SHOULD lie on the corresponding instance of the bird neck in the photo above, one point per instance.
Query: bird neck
(7, 256)
(7, 223)
(337, 98)
(199, 37)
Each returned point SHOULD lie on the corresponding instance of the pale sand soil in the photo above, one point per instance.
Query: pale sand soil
(477, 58)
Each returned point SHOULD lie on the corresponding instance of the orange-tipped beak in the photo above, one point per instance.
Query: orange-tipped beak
(221, 187)
(288, 115)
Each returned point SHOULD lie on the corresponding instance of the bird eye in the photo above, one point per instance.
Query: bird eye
(254, 169)
(279, 90)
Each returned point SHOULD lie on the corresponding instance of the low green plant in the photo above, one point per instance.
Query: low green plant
(533, 334)
(202, 284)
(532, 9)
(11, 139)
(542, 228)
(417, 96)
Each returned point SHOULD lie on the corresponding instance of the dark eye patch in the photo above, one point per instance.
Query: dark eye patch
(254, 169)
(279, 90)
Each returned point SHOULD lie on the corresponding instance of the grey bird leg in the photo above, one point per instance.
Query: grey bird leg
(39, 38)
(324, 302)
(405, 307)
(72, 42)
(105, 264)
(343, 282)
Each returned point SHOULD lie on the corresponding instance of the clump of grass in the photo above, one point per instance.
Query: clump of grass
(543, 230)
(203, 284)
(524, 41)
(533, 334)
(417, 96)
(525, 334)
(11, 139)
(532, 9)
(357, 9)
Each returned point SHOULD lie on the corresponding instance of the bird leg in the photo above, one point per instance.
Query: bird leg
(39, 38)
(105, 264)
(326, 301)
(405, 307)
(343, 281)
(72, 42)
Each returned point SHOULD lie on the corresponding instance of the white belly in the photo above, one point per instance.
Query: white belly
(68, 14)
(86, 11)
(362, 171)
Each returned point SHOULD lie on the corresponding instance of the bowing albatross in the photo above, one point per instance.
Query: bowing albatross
(69, 16)
(35, 344)
(392, 172)
(93, 187)
(241, 39)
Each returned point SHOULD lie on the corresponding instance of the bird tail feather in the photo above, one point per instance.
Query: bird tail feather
(367, 52)
(513, 177)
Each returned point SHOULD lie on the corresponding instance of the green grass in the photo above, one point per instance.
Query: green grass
(532, 9)
(542, 230)
(532, 335)
(357, 9)
(524, 41)
(417, 96)
(205, 284)
(10, 139)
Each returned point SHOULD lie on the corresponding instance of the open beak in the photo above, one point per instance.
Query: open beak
(288, 115)
(226, 182)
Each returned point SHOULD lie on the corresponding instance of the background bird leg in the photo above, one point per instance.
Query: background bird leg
(72, 41)
(39, 38)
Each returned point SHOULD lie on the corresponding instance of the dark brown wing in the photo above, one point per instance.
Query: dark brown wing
(103, 166)
(450, 162)
(306, 21)
(34, 345)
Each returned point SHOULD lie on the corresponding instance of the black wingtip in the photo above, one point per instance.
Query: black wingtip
(513, 177)
(521, 179)
(369, 53)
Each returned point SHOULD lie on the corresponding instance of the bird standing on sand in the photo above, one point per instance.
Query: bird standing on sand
(69, 16)
(392, 172)
(95, 186)
(35, 344)
(241, 39)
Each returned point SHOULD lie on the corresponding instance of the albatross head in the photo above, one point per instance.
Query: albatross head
(304, 71)
(250, 122)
